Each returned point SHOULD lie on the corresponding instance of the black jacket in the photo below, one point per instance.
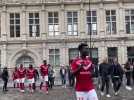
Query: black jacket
(5, 75)
(104, 70)
(116, 70)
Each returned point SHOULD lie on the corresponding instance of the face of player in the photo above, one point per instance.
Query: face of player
(84, 51)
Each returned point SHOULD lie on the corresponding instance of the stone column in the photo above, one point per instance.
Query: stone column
(101, 21)
(23, 20)
(43, 23)
(4, 55)
(122, 53)
(4, 24)
(102, 52)
(121, 20)
(81, 19)
(62, 27)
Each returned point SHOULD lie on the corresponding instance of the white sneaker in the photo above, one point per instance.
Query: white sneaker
(128, 88)
(102, 93)
(22, 91)
(108, 96)
(116, 93)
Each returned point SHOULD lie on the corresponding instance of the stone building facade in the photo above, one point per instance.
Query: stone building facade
(33, 30)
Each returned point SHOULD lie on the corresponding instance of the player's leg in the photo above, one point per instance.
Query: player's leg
(92, 95)
(81, 96)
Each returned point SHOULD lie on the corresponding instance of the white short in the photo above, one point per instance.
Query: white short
(22, 80)
(91, 95)
(30, 81)
(16, 81)
(44, 78)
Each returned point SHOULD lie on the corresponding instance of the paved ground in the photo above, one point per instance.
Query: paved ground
(59, 93)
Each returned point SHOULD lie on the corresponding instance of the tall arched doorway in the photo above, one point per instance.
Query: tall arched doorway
(25, 60)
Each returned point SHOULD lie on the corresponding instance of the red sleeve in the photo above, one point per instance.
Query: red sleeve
(74, 65)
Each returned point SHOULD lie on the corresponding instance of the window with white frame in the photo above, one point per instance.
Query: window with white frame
(129, 21)
(73, 52)
(112, 53)
(54, 57)
(72, 23)
(34, 25)
(14, 25)
(53, 23)
(92, 22)
(111, 22)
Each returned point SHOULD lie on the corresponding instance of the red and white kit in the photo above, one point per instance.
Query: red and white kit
(15, 77)
(22, 74)
(30, 78)
(84, 84)
(44, 72)
(44, 76)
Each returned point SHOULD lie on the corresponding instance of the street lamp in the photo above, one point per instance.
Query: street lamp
(90, 35)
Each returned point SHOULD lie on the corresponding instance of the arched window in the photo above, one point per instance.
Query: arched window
(25, 60)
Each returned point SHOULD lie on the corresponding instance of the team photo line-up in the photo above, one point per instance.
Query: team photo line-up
(80, 73)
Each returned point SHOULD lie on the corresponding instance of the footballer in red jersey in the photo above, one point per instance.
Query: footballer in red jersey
(30, 73)
(44, 75)
(15, 77)
(22, 74)
(82, 70)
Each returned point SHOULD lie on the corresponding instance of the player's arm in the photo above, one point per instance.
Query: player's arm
(77, 70)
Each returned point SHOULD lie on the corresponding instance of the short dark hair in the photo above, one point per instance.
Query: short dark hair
(82, 45)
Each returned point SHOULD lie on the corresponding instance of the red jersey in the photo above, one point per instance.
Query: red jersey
(84, 77)
(15, 75)
(22, 72)
(30, 73)
(44, 70)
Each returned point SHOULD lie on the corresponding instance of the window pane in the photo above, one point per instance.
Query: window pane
(113, 18)
(30, 21)
(94, 27)
(51, 60)
(51, 51)
(57, 33)
(113, 12)
(56, 20)
(94, 19)
(108, 12)
(132, 27)
(30, 15)
(75, 33)
(55, 14)
(107, 18)
(75, 14)
(93, 13)
(56, 27)
(36, 15)
(88, 19)
(11, 31)
(69, 14)
(50, 14)
(108, 27)
(17, 21)
(114, 28)
(36, 21)
(75, 27)
(75, 20)
(127, 12)
(17, 15)
(11, 21)
(128, 27)
(51, 33)
(50, 20)
(57, 60)
(51, 28)
(127, 18)
(57, 51)
(12, 15)
(88, 13)
(69, 27)
(69, 20)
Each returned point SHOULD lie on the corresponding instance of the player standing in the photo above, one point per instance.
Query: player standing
(82, 70)
(44, 75)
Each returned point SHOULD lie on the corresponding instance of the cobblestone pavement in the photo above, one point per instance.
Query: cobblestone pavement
(59, 93)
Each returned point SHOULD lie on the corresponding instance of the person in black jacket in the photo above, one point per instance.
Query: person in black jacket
(104, 71)
(5, 77)
(128, 72)
(116, 75)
